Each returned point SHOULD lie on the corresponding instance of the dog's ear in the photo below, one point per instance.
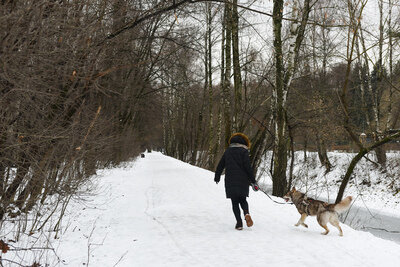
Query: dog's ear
(294, 189)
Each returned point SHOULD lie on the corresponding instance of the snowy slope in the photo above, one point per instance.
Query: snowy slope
(369, 185)
(162, 212)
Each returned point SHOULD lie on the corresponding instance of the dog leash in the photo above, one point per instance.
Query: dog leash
(284, 203)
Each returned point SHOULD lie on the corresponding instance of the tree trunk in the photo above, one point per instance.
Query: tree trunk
(211, 134)
(283, 81)
(280, 148)
(322, 153)
(227, 77)
(237, 77)
(390, 47)
(291, 157)
(380, 151)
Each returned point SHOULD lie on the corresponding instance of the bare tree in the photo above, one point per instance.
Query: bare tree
(355, 10)
(283, 79)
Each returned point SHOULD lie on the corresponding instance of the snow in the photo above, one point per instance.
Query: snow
(163, 212)
(158, 211)
(371, 187)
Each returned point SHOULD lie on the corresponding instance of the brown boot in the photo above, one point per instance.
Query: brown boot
(249, 221)
(239, 226)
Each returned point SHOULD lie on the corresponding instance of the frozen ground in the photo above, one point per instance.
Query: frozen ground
(159, 211)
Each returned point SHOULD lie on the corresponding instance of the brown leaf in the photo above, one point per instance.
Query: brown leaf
(3, 246)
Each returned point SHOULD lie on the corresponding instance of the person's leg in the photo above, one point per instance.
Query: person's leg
(236, 212)
(244, 205)
(245, 208)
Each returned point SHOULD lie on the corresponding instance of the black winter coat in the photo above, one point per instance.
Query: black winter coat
(238, 172)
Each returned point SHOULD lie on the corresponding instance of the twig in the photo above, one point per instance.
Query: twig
(51, 214)
(90, 128)
(373, 162)
(348, 211)
(10, 261)
(120, 259)
(93, 244)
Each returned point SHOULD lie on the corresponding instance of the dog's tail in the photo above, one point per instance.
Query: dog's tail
(343, 205)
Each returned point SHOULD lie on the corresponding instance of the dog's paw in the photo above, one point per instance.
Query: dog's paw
(305, 225)
(297, 224)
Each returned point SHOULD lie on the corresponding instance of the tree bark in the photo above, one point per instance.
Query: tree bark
(227, 76)
(280, 148)
(322, 153)
(237, 77)
(211, 134)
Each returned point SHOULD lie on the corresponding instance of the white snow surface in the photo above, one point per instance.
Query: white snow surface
(159, 211)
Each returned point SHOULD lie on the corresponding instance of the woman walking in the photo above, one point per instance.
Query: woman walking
(238, 176)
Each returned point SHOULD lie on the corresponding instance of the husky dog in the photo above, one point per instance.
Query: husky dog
(325, 212)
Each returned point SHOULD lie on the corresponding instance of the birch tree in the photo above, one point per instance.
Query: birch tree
(283, 77)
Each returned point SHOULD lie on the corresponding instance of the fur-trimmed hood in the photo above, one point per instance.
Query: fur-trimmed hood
(240, 138)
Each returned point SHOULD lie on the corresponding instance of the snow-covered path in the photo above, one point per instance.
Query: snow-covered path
(163, 212)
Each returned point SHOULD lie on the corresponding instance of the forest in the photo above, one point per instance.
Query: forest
(90, 84)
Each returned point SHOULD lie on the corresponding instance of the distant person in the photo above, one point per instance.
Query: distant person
(238, 176)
